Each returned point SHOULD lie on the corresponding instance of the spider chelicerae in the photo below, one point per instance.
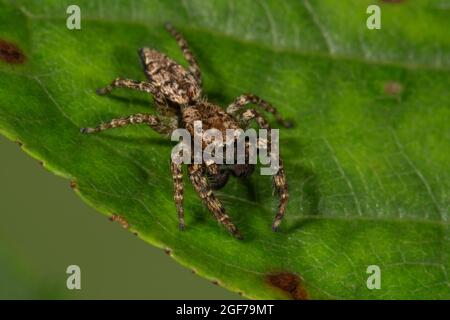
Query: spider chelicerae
(177, 93)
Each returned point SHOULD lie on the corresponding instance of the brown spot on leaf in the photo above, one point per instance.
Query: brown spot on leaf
(168, 252)
(121, 220)
(290, 283)
(215, 282)
(10, 53)
(393, 88)
(73, 184)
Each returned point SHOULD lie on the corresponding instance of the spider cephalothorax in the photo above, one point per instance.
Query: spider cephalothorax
(178, 96)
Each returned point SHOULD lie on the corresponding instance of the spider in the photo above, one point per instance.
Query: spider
(177, 93)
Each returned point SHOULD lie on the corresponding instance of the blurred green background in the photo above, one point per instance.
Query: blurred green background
(42, 220)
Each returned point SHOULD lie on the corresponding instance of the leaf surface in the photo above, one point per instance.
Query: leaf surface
(367, 160)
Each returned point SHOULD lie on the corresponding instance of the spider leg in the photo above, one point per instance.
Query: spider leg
(182, 43)
(138, 118)
(129, 84)
(279, 179)
(177, 176)
(160, 102)
(280, 184)
(245, 99)
(205, 192)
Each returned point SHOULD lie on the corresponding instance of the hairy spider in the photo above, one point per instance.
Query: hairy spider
(178, 97)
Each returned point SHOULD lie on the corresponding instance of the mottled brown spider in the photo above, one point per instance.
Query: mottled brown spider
(178, 97)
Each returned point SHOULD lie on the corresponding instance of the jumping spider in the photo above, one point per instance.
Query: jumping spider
(178, 97)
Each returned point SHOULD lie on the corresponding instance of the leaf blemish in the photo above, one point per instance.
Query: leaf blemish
(288, 282)
(168, 252)
(10, 53)
(73, 184)
(215, 282)
(123, 222)
(393, 88)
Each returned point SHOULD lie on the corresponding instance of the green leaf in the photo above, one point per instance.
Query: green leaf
(367, 161)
